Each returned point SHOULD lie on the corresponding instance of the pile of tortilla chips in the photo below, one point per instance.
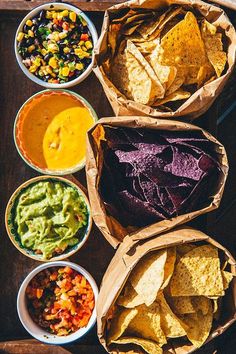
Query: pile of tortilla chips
(152, 175)
(171, 293)
(157, 58)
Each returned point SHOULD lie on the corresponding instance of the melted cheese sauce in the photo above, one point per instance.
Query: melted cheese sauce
(54, 131)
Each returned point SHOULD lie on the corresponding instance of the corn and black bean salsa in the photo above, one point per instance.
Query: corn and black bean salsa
(56, 45)
(60, 300)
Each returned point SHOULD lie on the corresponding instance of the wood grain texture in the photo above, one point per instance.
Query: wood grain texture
(89, 5)
(97, 253)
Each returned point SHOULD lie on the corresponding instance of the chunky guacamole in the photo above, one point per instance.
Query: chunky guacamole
(48, 216)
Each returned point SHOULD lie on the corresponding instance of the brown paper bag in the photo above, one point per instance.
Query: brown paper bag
(202, 99)
(113, 231)
(125, 259)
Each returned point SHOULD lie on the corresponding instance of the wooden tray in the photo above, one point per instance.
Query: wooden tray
(97, 253)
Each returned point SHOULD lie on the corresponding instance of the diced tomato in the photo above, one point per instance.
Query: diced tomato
(84, 37)
(65, 26)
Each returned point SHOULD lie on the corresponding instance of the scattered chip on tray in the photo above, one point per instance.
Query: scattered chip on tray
(148, 176)
(159, 58)
(172, 292)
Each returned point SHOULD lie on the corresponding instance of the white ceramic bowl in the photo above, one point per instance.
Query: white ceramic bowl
(11, 228)
(27, 160)
(38, 332)
(56, 6)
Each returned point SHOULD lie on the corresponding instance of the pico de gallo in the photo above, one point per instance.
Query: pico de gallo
(60, 300)
(55, 45)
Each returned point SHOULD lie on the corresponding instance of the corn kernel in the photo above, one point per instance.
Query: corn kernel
(48, 69)
(49, 14)
(72, 16)
(84, 48)
(88, 45)
(31, 48)
(52, 47)
(66, 50)
(62, 35)
(20, 36)
(81, 43)
(56, 37)
(64, 13)
(30, 33)
(43, 51)
(78, 51)
(33, 68)
(79, 66)
(37, 62)
(59, 16)
(65, 71)
(54, 15)
(53, 62)
(29, 23)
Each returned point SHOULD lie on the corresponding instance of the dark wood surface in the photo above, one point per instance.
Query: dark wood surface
(97, 253)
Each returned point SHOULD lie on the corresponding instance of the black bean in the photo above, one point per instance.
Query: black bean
(48, 56)
(29, 41)
(61, 43)
(35, 21)
(47, 77)
(65, 18)
(63, 57)
(25, 28)
(42, 15)
(69, 57)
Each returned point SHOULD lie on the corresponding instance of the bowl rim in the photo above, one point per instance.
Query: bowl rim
(94, 35)
(47, 171)
(63, 255)
(21, 297)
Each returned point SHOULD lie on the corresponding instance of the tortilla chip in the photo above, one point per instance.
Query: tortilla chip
(171, 325)
(198, 326)
(183, 44)
(129, 76)
(147, 324)
(147, 29)
(185, 248)
(149, 346)
(215, 305)
(148, 47)
(182, 305)
(158, 89)
(148, 276)
(204, 74)
(177, 82)
(162, 71)
(112, 37)
(201, 303)
(129, 298)
(175, 96)
(169, 266)
(227, 278)
(214, 47)
(198, 273)
(120, 323)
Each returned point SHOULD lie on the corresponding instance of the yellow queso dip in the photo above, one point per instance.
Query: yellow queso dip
(51, 130)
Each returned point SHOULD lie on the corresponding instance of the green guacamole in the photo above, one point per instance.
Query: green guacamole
(48, 216)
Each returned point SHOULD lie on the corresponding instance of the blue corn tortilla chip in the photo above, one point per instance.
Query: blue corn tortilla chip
(152, 175)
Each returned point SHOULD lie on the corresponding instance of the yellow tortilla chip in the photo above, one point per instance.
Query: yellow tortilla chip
(182, 305)
(120, 323)
(198, 273)
(149, 346)
(158, 89)
(227, 278)
(163, 72)
(198, 326)
(131, 79)
(147, 324)
(129, 298)
(201, 303)
(215, 305)
(112, 36)
(147, 277)
(183, 44)
(214, 47)
(147, 29)
(204, 74)
(170, 323)
(175, 96)
(148, 47)
(169, 266)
